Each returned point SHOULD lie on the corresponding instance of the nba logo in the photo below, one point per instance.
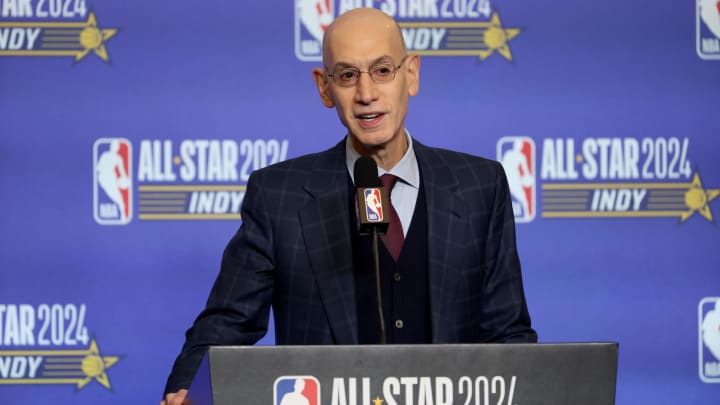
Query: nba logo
(517, 155)
(296, 390)
(112, 181)
(708, 29)
(373, 205)
(709, 331)
(312, 18)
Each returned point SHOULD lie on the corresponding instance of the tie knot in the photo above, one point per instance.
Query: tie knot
(388, 181)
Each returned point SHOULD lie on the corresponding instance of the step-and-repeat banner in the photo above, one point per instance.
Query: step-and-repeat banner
(128, 130)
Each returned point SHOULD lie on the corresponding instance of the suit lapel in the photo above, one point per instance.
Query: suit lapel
(447, 218)
(325, 223)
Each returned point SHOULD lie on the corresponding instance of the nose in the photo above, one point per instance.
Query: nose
(365, 89)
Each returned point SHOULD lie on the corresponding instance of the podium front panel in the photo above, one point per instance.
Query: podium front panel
(503, 374)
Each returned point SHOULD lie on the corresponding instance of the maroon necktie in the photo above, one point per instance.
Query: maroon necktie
(394, 237)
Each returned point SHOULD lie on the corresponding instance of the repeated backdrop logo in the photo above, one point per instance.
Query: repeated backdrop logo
(191, 179)
(112, 194)
(49, 344)
(708, 29)
(517, 155)
(709, 342)
(605, 178)
(433, 28)
(52, 28)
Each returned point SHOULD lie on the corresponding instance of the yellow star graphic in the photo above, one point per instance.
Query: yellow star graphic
(377, 401)
(697, 199)
(496, 38)
(93, 39)
(94, 366)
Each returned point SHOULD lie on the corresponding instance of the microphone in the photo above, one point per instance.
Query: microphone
(372, 198)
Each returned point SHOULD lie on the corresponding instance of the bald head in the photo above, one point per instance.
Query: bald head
(355, 24)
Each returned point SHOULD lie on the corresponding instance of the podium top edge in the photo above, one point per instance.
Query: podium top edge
(425, 346)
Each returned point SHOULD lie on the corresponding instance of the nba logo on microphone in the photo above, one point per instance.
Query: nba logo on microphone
(312, 18)
(296, 390)
(112, 181)
(373, 205)
(709, 339)
(517, 155)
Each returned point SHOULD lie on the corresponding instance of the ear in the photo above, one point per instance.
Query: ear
(413, 74)
(322, 83)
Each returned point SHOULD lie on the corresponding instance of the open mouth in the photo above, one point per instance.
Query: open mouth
(369, 120)
(369, 117)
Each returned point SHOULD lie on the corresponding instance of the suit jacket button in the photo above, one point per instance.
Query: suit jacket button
(399, 324)
(397, 276)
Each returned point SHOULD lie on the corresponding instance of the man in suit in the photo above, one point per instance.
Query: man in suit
(454, 278)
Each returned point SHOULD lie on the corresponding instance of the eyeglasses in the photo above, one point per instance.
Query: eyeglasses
(380, 73)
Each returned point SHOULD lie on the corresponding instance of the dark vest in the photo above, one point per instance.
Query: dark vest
(405, 292)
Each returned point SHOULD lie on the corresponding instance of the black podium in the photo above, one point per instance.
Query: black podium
(497, 374)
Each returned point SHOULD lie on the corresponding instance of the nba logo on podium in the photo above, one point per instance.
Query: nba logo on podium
(296, 390)
(112, 181)
(517, 155)
(709, 331)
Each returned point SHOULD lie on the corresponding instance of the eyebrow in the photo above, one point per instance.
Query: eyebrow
(382, 59)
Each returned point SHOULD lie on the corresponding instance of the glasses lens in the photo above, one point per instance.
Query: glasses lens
(347, 77)
(383, 72)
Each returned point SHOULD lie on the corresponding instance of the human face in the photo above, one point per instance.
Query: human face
(373, 113)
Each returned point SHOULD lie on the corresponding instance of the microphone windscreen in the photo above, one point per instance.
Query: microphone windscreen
(366, 174)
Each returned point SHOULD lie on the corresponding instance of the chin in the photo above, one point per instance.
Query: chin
(374, 136)
(373, 139)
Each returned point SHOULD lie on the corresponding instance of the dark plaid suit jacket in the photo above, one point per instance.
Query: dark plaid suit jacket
(294, 251)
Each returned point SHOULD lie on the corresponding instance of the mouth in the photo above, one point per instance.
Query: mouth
(369, 120)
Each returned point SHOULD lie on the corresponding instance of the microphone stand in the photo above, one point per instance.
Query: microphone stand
(376, 256)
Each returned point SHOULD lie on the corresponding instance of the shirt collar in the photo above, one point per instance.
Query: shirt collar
(406, 169)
